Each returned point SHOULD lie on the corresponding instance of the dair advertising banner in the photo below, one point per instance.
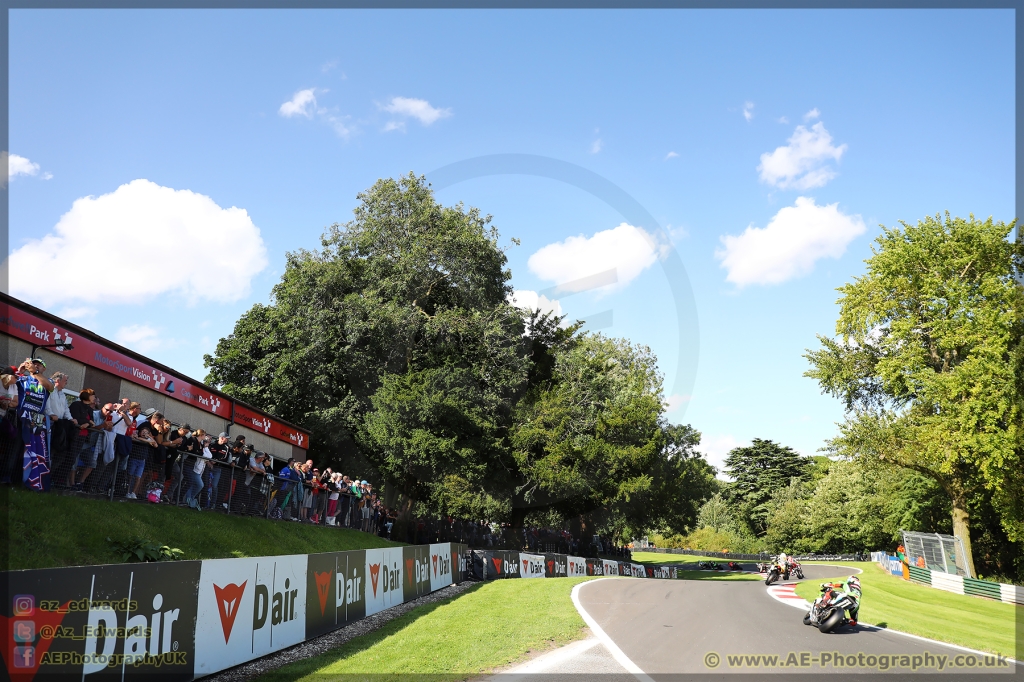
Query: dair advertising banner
(249, 608)
(531, 565)
(124, 622)
(187, 619)
(576, 567)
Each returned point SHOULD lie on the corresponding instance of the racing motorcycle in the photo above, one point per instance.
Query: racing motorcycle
(708, 565)
(797, 570)
(775, 571)
(829, 610)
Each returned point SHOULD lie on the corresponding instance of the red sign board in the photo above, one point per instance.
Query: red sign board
(270, 426)
(23, 325)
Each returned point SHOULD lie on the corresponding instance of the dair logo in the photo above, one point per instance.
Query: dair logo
(145, 635)
(228, 598)
(389, 578)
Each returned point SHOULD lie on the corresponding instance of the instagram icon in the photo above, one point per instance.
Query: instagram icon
(24, 604)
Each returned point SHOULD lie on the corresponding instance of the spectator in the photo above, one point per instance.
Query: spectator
(175, 442)
(333, 492)
(85, 412)
(9, 394)
(221, 458)
(308, 489)
(366, 511)
(62, 425)
(255, 476)
(33, 394)
(145, 432)
(194, 464)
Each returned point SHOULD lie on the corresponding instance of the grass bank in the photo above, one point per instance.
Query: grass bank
(895, 603)
(473, 633)
(77, 530)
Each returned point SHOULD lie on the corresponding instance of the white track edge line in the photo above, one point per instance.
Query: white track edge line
(545, 661)
(613, 648)
(806, 605)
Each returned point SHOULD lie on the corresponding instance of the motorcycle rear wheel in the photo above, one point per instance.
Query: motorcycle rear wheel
(833, 620)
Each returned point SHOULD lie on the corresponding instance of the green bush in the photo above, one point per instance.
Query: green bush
(138, 550)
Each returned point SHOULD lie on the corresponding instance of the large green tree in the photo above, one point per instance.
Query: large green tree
(589, 436)
(758, 471)
(922, 360)
(394, 342)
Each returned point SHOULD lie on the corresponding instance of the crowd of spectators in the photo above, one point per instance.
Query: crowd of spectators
(121, 451)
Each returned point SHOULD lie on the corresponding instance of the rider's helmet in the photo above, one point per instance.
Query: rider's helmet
(853, 582)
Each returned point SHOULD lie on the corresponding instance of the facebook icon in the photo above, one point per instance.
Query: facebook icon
(24, 657)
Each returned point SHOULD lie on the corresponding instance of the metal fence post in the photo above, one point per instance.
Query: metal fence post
(231, 485)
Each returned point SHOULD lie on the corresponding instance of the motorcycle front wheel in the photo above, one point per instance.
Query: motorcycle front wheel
(807, 618)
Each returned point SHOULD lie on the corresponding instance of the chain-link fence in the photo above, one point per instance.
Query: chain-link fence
(936, 552)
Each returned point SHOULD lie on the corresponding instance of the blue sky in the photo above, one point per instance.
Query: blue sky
(200, 146)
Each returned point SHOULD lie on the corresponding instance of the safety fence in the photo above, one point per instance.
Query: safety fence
(500, 564)
(100, 464)
(183, 620)
(718, 555)
(764, 556)
(957, 584)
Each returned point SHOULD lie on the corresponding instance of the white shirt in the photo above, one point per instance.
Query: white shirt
(121, 424)
(201, 463)
(56, 405)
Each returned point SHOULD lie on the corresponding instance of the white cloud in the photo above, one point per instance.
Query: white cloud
(675, 401)
(394, 125)
(800, 164)
(748, 111)
(783, 119)
(670, 155)
(596, 146)
(813, 113)
(77, 312)
(327, 66)
(303, 103)
(625, 251)
(146, 242)
(419, 109)
(788, 247)
(19, 165)
(139, 337)
(524, 298)
(715, 449)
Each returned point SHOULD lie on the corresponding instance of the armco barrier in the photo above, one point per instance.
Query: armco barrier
(186, 619)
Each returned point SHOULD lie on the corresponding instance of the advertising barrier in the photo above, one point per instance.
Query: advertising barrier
(186, 619)
(531, 565)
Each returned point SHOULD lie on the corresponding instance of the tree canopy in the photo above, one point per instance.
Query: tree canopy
(923, 360)
(758, 471)
(396, 345)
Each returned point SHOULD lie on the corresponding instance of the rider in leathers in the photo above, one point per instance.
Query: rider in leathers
(852, 589)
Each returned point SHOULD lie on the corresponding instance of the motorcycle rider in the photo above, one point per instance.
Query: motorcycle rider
(851, 589)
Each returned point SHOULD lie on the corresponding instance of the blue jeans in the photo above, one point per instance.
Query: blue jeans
(211, 499)
(195, 485)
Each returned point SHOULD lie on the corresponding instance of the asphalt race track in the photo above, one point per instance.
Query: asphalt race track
(693, 627)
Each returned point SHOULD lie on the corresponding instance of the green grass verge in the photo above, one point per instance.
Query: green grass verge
(895, 603)
(473, 633)
(77, 530)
